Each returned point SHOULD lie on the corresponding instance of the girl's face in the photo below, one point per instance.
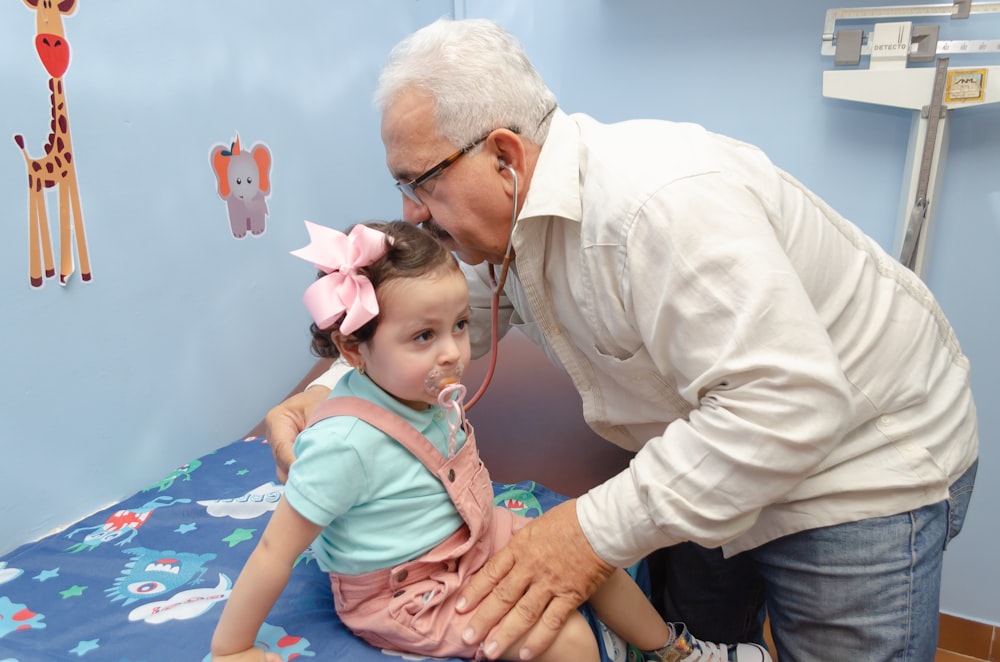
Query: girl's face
(423, 328)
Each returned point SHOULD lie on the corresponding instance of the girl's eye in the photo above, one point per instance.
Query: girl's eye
(423, 336)
(461, 325)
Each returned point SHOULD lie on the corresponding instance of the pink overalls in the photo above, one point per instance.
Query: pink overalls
(410, 607)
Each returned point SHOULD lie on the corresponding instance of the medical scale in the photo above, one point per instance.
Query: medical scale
(899, 53)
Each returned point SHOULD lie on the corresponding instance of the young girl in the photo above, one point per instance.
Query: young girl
(388, 487)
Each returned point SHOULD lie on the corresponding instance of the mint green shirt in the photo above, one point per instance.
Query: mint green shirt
(378, 504)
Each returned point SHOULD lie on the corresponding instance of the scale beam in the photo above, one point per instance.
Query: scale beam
(956, 10)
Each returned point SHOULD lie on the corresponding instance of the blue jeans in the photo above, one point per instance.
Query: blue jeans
(866, 590)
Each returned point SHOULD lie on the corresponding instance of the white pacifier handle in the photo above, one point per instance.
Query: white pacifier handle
(454, 411)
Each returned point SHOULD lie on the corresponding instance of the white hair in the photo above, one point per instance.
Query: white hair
(478, 76)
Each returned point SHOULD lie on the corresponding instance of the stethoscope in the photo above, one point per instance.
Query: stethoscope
(496, 288)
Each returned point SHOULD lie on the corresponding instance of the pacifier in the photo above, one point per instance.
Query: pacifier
(437, 379)
(447, 387)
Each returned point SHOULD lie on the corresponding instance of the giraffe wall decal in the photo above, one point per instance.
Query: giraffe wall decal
(58, 167)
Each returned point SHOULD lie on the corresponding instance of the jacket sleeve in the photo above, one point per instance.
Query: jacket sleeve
(329, 379)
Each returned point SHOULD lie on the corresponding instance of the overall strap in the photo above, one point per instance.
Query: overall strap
(387, 422)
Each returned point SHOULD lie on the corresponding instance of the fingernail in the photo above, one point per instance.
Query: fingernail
(524, 654)
(491, 648)
(468, 636)
(460, 604)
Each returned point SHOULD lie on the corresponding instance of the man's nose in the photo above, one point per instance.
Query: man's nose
(414, 212)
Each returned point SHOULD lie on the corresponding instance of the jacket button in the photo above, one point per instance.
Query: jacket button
(398, 593)
(401, 576)
(451, 475)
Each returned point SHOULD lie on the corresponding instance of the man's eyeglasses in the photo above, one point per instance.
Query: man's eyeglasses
(409, 189)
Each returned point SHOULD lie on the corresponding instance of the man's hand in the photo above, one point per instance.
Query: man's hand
(285, 421)
(532, 585)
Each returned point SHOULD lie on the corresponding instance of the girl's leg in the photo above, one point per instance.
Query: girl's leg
(623, 607)
(720, 599)
(574, 642)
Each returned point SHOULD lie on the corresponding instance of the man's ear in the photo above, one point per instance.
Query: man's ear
(508, 149)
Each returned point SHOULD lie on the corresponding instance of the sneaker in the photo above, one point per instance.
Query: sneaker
(685, 647)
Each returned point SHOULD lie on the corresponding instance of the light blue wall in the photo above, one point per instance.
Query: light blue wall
(186, 336)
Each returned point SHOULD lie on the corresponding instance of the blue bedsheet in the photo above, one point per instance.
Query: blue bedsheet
(144, 579)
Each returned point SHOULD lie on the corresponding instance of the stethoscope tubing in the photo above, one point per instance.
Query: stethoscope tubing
(496, 288)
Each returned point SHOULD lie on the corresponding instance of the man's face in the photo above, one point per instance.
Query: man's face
(466, 205)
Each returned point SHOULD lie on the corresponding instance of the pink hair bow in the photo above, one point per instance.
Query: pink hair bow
(343, 289)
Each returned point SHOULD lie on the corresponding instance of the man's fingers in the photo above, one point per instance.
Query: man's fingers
(495, 592)
(545, 631)
(544, 572)
(484, 581)
(281, 431)
(534, 621)
(284, 422)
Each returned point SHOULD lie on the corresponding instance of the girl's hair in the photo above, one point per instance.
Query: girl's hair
(449, 61)
(413, 252)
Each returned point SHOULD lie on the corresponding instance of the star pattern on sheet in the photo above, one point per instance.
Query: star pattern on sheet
(73, 591)
(85, 647)
(238, 536)
(46, 574)
(242, 472)
(186, 528)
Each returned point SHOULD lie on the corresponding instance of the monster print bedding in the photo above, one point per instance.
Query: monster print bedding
(145, 579)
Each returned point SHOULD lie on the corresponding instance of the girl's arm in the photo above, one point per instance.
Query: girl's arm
(262, 580)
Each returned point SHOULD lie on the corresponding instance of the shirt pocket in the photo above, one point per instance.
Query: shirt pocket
(632, 378)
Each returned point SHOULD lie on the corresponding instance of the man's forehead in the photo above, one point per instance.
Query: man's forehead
(409, 113)
(409, 135)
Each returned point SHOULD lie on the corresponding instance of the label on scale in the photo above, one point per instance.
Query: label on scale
(890, 44)
(966, 85)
